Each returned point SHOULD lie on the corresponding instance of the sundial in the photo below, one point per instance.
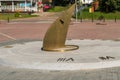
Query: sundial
(55, 37)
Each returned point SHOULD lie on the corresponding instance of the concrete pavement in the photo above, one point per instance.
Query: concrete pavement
(35, 28)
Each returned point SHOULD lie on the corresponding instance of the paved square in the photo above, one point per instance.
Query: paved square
(35, 28)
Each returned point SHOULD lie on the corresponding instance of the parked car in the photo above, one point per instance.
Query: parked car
(46, 7)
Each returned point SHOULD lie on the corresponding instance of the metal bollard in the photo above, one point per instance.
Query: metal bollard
(0, 18)
(81, 19)
(104, 19)
(8, 19)
(92, 19)
(115, 19)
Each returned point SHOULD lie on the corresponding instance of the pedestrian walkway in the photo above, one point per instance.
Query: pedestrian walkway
(36, 27)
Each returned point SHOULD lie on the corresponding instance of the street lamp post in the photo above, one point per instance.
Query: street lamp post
(76, 9)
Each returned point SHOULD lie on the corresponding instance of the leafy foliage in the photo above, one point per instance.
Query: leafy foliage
(17, 14)
(62, 2)
(108, 5)
(118, 5)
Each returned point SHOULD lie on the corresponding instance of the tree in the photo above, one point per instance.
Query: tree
(118, 5)
(111, 5)
(63, 2)
(107, 5)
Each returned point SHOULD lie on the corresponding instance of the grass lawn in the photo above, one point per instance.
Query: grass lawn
(86, 15)
(5, 16)
(96, 15)
(57, 9)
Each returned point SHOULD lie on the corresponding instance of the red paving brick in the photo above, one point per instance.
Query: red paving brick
(88, 30)
(84, 30)
(24, 31)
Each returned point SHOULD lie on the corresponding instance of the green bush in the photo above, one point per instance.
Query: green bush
(17, 14)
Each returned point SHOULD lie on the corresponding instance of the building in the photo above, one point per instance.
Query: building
(87, 1)
(18, 5)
